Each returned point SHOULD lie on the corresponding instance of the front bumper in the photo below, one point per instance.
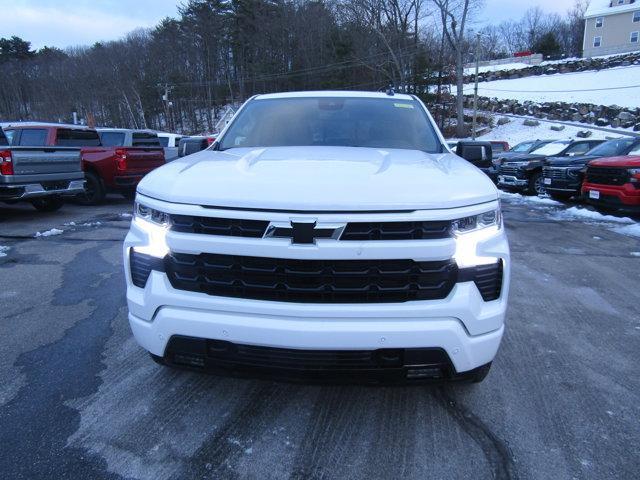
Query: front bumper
(565, 186)
(37, 190)
(625, 198)
(512, 181)
(466, 327)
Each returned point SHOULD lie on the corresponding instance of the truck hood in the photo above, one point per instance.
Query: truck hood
(569, 161)
(511, 156)
(320, 179)
(622, 161)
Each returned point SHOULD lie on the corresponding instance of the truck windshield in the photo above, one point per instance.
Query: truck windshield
(335, 122)
(612, 147)
(553, 148)
(523, 147)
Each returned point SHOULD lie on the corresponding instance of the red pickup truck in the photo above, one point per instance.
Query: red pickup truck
(613, 183)
(112, 159)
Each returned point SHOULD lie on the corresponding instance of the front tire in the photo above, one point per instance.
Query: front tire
(536, 187)
(47, 204)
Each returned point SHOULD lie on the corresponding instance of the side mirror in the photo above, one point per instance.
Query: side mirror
(478, 153)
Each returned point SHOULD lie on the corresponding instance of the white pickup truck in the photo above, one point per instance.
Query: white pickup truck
(327, 236)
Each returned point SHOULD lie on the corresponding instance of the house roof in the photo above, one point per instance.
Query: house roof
(601, 8)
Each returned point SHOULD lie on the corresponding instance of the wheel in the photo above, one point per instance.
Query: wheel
(94, 191)
(560, 196)
(480, 373)
(536, 185)
(47, 204)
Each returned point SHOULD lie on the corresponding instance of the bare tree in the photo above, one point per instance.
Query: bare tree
(455, 15)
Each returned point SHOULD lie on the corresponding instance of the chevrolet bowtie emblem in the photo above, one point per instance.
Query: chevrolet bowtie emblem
(303, 232)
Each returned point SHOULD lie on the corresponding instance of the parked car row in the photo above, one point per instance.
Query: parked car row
(604, 173)
(45, 164)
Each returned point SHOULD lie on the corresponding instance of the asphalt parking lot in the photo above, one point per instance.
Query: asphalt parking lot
(80, 399)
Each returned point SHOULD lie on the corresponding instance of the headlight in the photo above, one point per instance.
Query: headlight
(150, 214)
(469, 232)
(574, 172)
(155, 224)
(491, 218)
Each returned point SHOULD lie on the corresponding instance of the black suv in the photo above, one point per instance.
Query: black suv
(525, 172)
(563, 175)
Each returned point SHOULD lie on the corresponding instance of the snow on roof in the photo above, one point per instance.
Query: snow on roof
(333, 93)
(598, 8)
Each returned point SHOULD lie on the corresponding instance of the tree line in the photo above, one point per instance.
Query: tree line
(178, 75)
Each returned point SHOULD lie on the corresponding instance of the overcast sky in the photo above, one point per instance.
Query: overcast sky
(64, 23)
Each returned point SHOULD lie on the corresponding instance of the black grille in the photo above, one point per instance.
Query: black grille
(141, 266)
(230, 227)
(555, 173)
(182, 348)
(510, 171)
(311, 281)
(488, 279)
(353, 231)
(607, 176)
(397, 231)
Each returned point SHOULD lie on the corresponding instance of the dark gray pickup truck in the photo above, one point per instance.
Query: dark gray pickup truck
(41, 175)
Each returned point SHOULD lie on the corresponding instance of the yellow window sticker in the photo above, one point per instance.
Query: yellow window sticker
(403, 105)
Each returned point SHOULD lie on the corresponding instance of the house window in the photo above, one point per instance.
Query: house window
(599, 22)
(636, 16)
(634, 37)
(597, 41)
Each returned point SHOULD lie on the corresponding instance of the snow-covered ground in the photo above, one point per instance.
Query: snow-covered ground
(614, 86)
(560, 212)
(515, 132)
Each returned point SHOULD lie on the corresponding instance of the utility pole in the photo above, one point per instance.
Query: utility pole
(167, 106)
(475, 90)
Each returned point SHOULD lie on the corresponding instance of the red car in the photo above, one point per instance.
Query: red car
(613, 183)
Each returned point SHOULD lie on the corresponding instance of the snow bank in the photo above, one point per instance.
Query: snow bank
(576, 213)
(4, 250)
(49, 233)
(561, 87)
(517, 198)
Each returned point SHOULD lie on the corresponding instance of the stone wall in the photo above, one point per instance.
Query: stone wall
(611, 116)
(580, 65)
